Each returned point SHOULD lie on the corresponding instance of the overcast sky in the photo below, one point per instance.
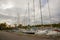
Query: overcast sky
(10, 8)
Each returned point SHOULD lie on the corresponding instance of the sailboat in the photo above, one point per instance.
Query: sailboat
(41, 31)
(29, 31)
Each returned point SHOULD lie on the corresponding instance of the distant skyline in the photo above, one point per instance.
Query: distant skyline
(10, 8)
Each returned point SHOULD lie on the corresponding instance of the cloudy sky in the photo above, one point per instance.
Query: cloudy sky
(12, 10)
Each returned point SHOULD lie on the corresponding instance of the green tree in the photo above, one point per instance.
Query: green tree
(20, 26)
(3, 26)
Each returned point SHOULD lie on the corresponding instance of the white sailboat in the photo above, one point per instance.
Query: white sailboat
(29, 31)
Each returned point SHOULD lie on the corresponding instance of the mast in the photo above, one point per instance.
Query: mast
(24, 18)
(25, 23)
(18, 16)
(34, 10)
(28, 12)
(49, 13)
(41, 12)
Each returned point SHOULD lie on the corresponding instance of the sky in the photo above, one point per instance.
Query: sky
(11, 9)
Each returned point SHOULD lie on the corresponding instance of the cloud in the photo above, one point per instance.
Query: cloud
(12, 7)
(54, 11)
(5, 4)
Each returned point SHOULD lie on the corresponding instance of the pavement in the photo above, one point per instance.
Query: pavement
(13, 36)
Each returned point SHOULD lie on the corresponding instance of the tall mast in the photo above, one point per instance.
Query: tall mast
(18, 16)
(41, 12)
(49, 13)
(34, 10)
(25, 17)
(28, 12)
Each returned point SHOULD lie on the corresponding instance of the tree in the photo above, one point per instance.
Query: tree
(3, 26)
(20, 26)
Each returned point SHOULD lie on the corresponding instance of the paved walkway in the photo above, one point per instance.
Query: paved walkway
(13, 36)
